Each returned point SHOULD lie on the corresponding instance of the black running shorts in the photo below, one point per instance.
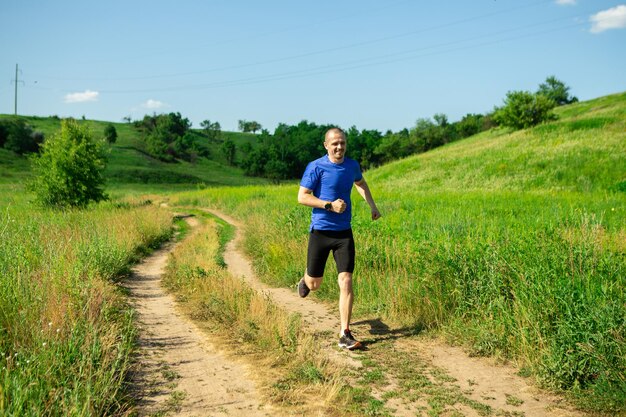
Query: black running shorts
(321, 242)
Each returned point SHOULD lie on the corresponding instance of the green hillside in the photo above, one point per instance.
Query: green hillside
(512, 244)
(585, 150)
(130, 167)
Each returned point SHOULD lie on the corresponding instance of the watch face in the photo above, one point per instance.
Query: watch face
(328, 206)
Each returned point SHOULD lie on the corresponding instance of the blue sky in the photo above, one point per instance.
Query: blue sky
(372, 64)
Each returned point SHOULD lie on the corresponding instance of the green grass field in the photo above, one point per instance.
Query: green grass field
(513, 244)
(510, 243)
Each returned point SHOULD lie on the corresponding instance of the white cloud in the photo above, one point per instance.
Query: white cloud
(86, 95)
(613, 18)
(153, 104)
(566, 2)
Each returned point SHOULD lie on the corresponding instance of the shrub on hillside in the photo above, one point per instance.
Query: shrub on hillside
(17, 136)
(523, 109)
(68, 172)
(110, 134)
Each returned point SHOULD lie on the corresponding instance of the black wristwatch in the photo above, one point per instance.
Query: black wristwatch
(328, 206)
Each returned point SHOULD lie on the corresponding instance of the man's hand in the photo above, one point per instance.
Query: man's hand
(339, 206)
(375, 214)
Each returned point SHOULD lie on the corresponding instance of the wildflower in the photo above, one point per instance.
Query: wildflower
(44, 344)
(49, 324)
(58, 330)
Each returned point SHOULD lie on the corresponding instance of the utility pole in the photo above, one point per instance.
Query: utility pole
(16, 89)
(16, 81)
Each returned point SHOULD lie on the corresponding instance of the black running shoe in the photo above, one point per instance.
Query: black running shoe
(348, 342)
(303, 290)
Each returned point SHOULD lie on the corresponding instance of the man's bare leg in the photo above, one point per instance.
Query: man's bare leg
(345, 300)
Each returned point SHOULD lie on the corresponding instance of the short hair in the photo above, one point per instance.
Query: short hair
(335, 130)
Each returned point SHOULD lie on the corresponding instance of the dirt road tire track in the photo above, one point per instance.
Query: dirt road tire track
(177, 370)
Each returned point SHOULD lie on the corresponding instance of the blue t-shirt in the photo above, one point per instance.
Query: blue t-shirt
(330, 181)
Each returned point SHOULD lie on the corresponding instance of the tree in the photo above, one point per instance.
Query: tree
(213, 130)
(441, 120)
(427, 135)
(470, 125)
(241, 124)
(523, 109)
(110, 134)
(246, 126)
(557, 91)
(164, 135)
(394, 146)
(361, 145)
(69, 170)
(17, 136)
(228, 150)
(254, 126)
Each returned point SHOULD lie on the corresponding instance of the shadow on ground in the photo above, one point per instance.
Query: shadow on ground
(379, 331)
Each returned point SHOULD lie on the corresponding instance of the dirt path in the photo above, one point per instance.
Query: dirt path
(178, 370)
(486, 386)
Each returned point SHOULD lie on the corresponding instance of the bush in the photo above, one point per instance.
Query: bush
(68, 173)
(17, 136)
(523, 109)
(110, 134)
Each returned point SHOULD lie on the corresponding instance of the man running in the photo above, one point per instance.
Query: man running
(326, 186)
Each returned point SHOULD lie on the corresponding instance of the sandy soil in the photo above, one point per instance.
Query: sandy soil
(481, 379)
(178, 370)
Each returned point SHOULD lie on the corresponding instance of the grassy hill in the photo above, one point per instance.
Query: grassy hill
(585, 150)
(510, 243)
(130, 167)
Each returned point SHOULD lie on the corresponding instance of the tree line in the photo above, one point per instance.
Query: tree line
(73, 160)
(285, 153)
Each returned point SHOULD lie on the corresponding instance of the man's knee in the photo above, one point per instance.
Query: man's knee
(345, 280)
(312, 282)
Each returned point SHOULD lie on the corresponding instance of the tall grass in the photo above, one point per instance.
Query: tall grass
(65, 331)
(512, 244)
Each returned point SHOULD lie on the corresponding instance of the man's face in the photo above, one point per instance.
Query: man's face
(335, 144)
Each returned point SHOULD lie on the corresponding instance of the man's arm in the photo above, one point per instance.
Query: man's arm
(364, 191)
(306, 197)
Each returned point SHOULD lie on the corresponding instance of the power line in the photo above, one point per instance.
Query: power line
(356, 64)
(227, 41)
(311, 53)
